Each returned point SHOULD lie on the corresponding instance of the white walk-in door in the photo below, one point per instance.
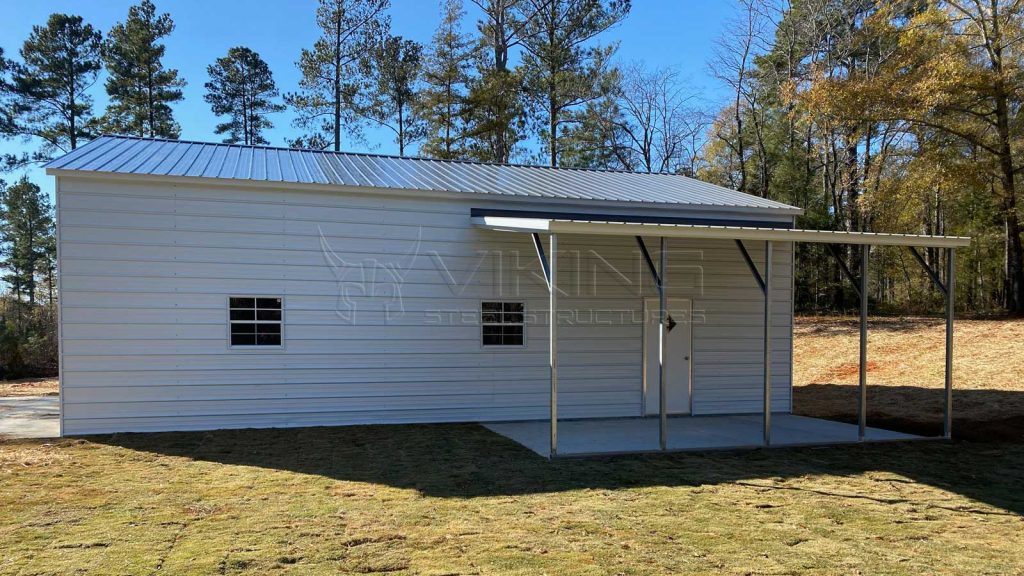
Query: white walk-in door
(677, 356)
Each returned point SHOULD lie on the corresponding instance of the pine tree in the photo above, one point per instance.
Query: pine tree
(26, 227)
(563, 72)
(442, 102)
(6, 114)
(242, 87)
(392, 69)
(310, 142)
(48, 89)
(141, 89)
(495, 115)
(329, 85)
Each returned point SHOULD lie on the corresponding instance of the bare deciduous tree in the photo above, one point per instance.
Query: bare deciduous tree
(658, 128)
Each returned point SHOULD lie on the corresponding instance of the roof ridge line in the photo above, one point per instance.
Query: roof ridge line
(398, 157)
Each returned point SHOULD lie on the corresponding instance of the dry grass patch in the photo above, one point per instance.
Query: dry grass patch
(989, 354)
(31, 456)
(457, 499)
(29, 387)
(905, 373)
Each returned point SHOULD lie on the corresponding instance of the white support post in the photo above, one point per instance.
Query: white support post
(662, 339)
(862, 392)
(947, 428)
(768, 343)
(553, 342)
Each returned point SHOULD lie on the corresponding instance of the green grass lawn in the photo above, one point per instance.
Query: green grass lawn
(458, 499)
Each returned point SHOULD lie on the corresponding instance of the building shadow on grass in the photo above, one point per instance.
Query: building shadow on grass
(467, 460)
(851, 326)
(978, 415)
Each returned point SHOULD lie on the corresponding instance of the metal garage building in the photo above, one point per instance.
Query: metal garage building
(208, 286)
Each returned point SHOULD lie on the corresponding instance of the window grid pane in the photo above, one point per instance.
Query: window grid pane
(255, 321)
(502, 323)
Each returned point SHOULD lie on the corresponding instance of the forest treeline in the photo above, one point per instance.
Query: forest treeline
(884, 116)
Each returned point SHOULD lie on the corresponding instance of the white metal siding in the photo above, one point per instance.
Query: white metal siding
(146, 269)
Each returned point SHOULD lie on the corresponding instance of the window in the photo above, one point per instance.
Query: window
(502, 323)
(255, 321)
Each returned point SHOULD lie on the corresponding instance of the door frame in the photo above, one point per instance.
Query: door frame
(645, 351)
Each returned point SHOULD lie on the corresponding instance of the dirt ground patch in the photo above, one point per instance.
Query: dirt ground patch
(29, 387)
(906, 374)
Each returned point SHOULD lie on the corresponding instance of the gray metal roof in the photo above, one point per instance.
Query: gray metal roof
(158, 157)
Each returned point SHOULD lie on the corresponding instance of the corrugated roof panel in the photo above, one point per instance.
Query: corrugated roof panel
(157, 156)
(202, 160)
(333, 171)
(284, 162)
(138, 158)
(508, 180)
(419, 178)
(304, 168)
(258, 168)
(448, 177)
(227, 167)
(95, 147)
(122, 157)
(388, 172)
(171, 156)
(99, 161)
(213, 167)
(244, 168)
(184, 164)
(122, 154)
(589, 183)
(551, 184)
(360, 176)
(488, 177)
(273, 165)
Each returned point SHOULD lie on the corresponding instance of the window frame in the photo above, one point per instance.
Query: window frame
(500, 347)
(254, 347)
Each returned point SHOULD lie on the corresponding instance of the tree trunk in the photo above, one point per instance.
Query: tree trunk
(448, 121)
(501, 69)
(1014, 249)
(72, 117)
(739, 143)
(149, 102)
(337, 84)
(553, 126)
(401, 132)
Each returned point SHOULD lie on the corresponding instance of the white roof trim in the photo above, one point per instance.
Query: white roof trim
(511, 224)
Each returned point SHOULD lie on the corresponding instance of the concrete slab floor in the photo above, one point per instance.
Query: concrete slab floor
(619, 435)
(30, 417)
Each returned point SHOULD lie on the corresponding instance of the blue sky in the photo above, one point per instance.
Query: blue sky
(674, 33)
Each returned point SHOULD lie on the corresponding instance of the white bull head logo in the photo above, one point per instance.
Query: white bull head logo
(369, 282)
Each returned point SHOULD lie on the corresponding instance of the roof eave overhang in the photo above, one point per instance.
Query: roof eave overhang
(779, 211)
(540, 225)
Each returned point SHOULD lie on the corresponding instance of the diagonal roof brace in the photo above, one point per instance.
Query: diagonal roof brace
(543, 259)
(928, 269)
(845, 269)
(751, 265)
(650, 263)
